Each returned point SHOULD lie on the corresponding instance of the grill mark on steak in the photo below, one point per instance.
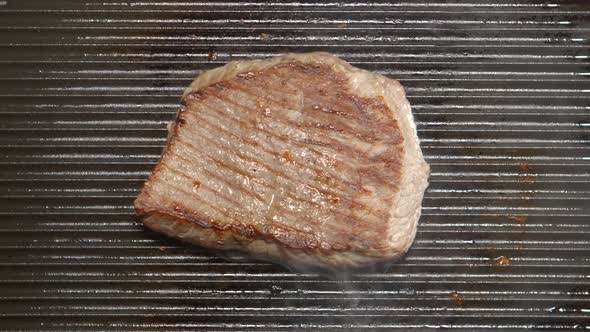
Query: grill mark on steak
(257, 162)
(361, 106)
(220, 179)
(326, 125)
(346, 217)
(294, 237)
(261, 147)
(189, 196)
(277, 173)
(334, 145)
(393, 163)
(246, 190)
(178, 154)
(303, 144)
(234, 186)
(338, 101)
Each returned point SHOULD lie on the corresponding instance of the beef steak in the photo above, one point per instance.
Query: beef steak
(302, 159)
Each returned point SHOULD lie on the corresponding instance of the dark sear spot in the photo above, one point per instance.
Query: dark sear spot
(212, 55)
(180, 121)
(196, 184)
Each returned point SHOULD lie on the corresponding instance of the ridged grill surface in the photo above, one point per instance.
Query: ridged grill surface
(500, 92)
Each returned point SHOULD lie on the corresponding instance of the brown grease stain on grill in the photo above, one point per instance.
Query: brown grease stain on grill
(519, 219)
(457, 298)
(527, 184)
(524, 167)
(498, 259)
(501, 263)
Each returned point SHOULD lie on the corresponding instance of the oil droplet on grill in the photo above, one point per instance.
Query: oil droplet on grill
(212, 55)
(458, 298)
(275, 290)
(519, 219)
(501, 262)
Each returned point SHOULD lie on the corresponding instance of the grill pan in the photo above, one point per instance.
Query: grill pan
(500, 93)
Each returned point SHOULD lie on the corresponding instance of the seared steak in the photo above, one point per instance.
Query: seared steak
(302, 159)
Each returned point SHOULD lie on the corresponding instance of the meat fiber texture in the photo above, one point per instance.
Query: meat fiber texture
(301, 159)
